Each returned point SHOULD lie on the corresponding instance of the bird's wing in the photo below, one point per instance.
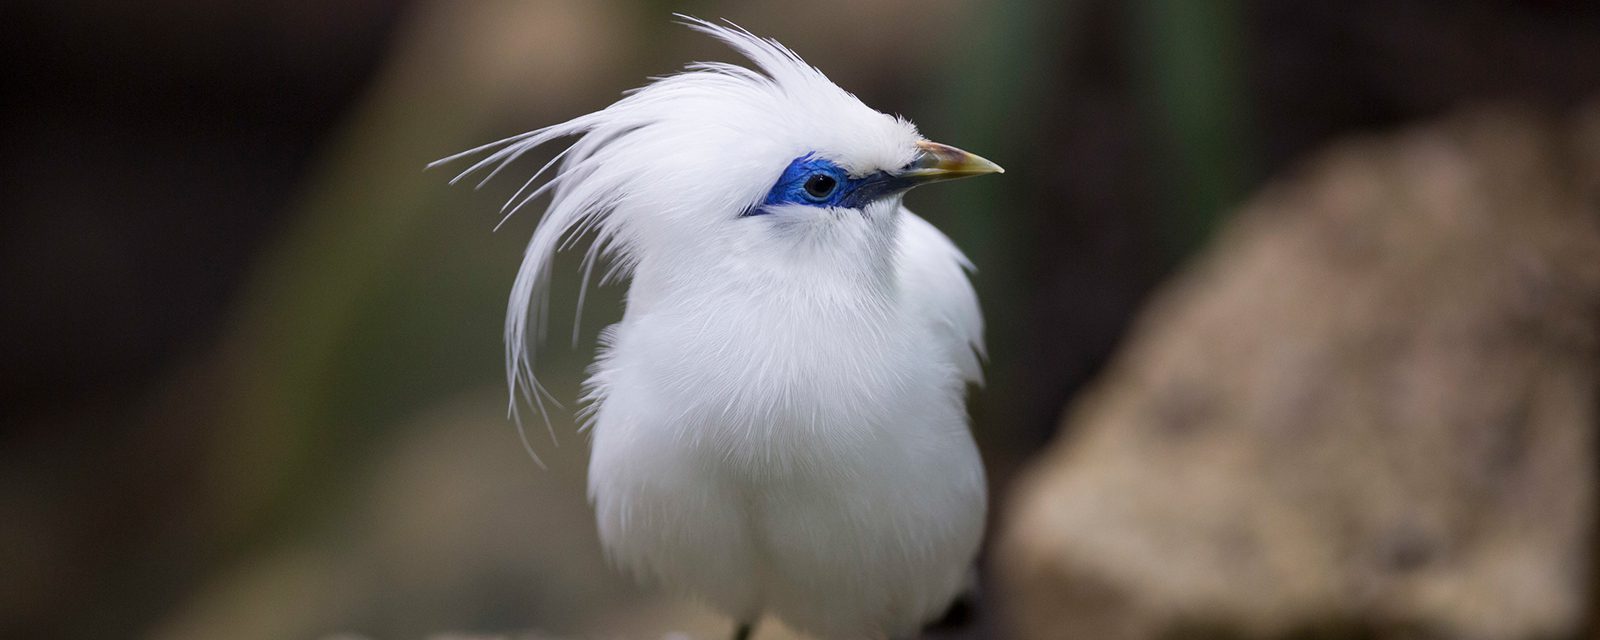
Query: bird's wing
(933, 281)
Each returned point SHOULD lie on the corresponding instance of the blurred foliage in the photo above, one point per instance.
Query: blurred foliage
(1191, 80)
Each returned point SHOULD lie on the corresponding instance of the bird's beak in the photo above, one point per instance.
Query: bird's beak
(935, 162)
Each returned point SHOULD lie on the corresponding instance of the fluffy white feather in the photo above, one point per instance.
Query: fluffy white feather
(778, 420)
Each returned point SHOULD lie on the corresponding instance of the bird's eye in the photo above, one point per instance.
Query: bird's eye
(821, 185)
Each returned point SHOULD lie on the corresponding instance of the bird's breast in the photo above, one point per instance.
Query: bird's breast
(777, 384)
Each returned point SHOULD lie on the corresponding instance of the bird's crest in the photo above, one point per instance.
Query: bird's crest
(593, 175)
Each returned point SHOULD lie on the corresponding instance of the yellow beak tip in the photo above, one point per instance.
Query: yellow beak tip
(937, 161)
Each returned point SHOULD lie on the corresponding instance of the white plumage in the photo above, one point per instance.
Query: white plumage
(779, 422)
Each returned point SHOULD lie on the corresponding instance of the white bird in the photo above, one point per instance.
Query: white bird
(778, 421)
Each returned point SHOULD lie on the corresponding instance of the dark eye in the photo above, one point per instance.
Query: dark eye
(820, 185)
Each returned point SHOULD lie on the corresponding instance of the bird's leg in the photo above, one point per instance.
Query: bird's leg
(743, 631)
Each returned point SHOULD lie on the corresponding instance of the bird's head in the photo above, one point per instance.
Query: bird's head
(722, 167)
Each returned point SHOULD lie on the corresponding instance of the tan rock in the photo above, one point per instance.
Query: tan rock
(1369, 410)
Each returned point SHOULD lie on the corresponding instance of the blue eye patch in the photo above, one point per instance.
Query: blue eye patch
(817, 182)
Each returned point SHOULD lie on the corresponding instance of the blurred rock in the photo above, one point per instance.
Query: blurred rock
(450, 526)
(1369, 411)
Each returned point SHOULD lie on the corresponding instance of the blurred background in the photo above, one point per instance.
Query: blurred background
(1293, 311)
